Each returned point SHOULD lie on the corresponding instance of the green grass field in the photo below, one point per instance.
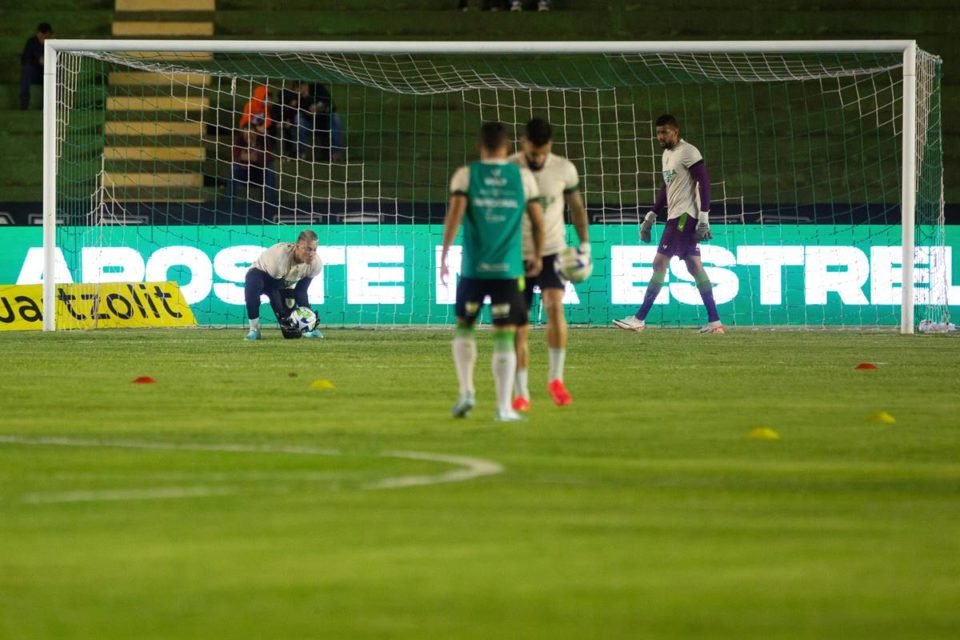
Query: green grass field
(231, 500)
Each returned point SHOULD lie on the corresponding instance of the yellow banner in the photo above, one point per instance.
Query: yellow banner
(108, 305)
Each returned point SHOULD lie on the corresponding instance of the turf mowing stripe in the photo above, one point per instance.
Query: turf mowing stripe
(470, 467)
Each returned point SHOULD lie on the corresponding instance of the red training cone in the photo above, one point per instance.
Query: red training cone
(866, 365)
(144, 380)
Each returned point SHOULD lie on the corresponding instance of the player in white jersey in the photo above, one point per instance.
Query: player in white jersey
(283, 273)
(686, 194)
(559, 185)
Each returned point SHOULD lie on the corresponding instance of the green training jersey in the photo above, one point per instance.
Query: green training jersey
(496, 204)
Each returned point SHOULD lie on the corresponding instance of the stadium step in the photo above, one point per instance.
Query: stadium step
(157, 103)
(156, 154)
(158, 18)
(130, 180)
(165, 5)
(166, 56)
(154, 128)
(160, 195)
(146, 78)
(156, 29)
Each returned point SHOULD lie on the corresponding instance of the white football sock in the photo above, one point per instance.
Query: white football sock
(464, 358)
(255, 324)
(504, 367)
(557, 356)
(520, 386)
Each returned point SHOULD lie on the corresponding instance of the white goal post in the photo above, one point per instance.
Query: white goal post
(53, 104)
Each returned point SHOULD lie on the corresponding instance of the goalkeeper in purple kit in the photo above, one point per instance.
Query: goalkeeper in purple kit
(685, 193)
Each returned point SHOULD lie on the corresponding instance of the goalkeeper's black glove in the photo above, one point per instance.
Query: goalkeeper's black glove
(288, 330)
(703, 227)
(647, 226)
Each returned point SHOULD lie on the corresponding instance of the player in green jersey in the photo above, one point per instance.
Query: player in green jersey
(489, 198)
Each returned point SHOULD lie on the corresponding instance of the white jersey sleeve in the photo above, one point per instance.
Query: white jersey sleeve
(460, 182)
(571, 177)
(531, 190)
(689, 155)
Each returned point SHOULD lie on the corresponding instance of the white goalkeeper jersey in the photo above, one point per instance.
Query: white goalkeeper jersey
(557, 178)
(682, 195)
(277, 262)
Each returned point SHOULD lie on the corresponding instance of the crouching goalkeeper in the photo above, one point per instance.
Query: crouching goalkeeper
(283, 273)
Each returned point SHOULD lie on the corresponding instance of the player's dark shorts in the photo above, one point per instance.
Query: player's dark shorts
(677, 242)
(506, 300)
(548, 279)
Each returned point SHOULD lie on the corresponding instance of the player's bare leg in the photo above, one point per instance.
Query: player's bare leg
(700, 277)
(521, 398)
(556, 345)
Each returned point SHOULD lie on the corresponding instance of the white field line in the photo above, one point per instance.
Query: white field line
(108, 495)
(472, 468)
(469, 468)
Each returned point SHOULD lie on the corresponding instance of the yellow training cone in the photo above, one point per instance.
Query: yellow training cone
(882, 417)
(321, 384)
(764, 433)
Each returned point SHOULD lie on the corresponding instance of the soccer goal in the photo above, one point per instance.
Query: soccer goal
(825, 161)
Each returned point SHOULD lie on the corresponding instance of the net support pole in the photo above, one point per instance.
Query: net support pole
(908, 195)
(50, 67)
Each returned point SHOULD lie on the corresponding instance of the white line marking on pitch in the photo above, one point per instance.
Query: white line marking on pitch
(160, 493)
(469, 467)
(473, 468)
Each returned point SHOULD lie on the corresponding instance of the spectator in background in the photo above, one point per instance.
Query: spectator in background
(296, 129)
(511, 5)
(252, 160)
(496, 5)
(31, 63)
(310, 118)
(257, 105)
(329, 124)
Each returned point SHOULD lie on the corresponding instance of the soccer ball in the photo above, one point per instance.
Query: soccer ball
(574, 265)
(303, 319)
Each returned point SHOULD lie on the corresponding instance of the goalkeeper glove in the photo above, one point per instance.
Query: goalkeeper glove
(585, 248)
(647, 226)
(288, 329)
(703, 227)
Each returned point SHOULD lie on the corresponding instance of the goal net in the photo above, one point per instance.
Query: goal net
(149, 175)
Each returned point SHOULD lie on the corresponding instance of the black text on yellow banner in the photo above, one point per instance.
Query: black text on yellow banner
(112, 305)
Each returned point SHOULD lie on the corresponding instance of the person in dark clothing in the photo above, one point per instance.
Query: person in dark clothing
(253, 161)
(31, 63)
(329, 125)
(310, 118)
(509, 5)
(297, 121)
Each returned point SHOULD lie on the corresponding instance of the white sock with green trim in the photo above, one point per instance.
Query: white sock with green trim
(464, 358)
(504, 367)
